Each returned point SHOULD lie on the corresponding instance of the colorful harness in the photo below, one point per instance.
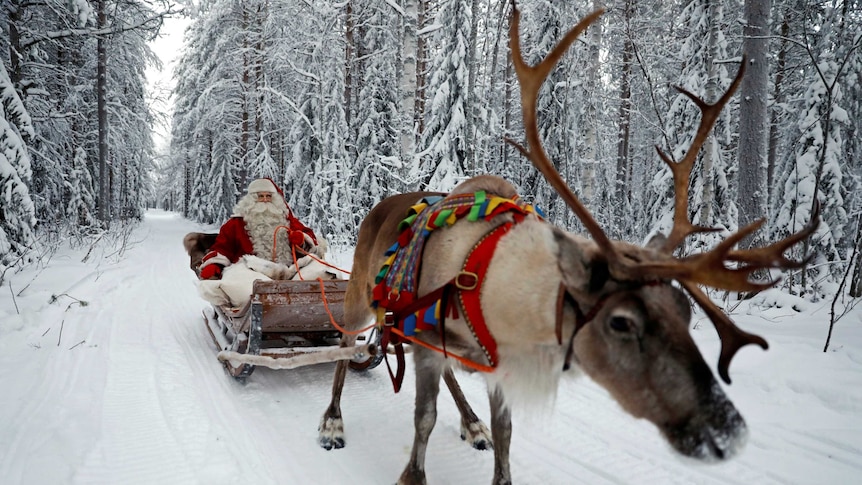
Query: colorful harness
(397, 282)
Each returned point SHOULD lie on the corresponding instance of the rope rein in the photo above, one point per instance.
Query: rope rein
(332, 319)
(293, 251)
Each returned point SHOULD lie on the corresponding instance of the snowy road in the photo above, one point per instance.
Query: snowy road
(126, 389)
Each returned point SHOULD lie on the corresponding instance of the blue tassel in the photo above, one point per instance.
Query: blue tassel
(431, 315)
(410, 325)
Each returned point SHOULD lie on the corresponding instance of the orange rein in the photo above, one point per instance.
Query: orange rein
(293, 253)
(472, 364)
(320, 280)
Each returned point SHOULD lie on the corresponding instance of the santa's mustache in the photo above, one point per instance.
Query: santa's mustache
(265, 208)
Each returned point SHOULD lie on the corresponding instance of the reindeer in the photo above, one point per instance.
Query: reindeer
(552, 301)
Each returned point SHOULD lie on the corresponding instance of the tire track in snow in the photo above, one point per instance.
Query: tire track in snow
(136, 443)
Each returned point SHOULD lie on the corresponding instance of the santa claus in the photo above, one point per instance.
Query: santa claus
(262, 231)
(262, 221)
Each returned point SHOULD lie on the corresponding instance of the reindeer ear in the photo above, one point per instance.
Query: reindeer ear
(584, 270)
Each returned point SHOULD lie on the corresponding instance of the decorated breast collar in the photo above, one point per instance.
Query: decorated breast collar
(396, 287)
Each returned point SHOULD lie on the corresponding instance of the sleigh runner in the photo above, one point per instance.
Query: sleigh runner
(286, 324)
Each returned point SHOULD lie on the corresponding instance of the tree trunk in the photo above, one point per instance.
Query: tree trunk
(421, 68)
(856, 278)
(187, 185)
(753, 118)
(497, 53)
(777, 99)
(242, 173)
(589, 122)
(624, 128)
(709, 151)
(102, 113)
(259, 75)
(349, 56)
(469, 98)
(14, 17)
(408, 82)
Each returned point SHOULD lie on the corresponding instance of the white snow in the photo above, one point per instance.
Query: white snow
(108, 376)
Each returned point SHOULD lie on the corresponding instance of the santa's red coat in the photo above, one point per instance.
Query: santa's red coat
(233, 241)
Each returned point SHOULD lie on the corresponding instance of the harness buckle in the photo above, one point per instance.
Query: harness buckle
(466, 280)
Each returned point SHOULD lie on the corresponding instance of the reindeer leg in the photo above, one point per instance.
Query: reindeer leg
(428, 369)
(331, 428)
(473, 430)
(357, 311)
(501, 430)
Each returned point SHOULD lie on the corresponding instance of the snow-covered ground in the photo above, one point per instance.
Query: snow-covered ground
(107, 375)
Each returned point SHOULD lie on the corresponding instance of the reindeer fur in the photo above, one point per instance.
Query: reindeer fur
(197, 245)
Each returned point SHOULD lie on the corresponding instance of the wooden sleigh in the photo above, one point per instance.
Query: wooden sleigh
(286, 324)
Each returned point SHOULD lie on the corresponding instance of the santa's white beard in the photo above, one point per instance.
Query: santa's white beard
(261, 221)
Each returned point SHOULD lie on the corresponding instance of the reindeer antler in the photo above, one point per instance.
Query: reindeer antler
(682, 226)
(530, 80)
(708, 268)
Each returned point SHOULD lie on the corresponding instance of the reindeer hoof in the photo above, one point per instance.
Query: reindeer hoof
(329, 443)
(478, 435)
(331, 433)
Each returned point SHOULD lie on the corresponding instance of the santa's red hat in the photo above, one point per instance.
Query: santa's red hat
(264, 185)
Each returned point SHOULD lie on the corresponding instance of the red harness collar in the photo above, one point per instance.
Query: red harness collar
(467, 285)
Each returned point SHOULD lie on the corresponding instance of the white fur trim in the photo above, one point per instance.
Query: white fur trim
(261, 185)
(234, 288)
(244, 206)
(210, 290)
(275, 271)
(237, 282)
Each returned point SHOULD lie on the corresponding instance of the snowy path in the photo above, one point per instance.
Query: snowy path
(133, 394)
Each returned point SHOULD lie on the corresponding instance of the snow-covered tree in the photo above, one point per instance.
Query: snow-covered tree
(816, 167)
(702, 57)
(17, 213)
(816, 173)
(79, 209)
(443, 144)
(379, 143)
(560, 105)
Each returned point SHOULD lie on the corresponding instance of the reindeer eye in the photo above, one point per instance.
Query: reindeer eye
(621, 324)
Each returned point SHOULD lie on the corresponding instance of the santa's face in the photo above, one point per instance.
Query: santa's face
(265, 205)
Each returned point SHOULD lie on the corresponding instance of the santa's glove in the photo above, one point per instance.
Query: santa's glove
(211, 272)
(296, 238)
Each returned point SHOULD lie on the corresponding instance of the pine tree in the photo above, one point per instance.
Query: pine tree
(17, 212)
(443, 149)
(80, 210)
(710, 202)
(378, 142)
(815, 167)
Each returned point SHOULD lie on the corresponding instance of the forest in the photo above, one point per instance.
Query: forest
(344, 102)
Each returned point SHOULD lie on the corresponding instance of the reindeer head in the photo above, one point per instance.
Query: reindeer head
(632, 320)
